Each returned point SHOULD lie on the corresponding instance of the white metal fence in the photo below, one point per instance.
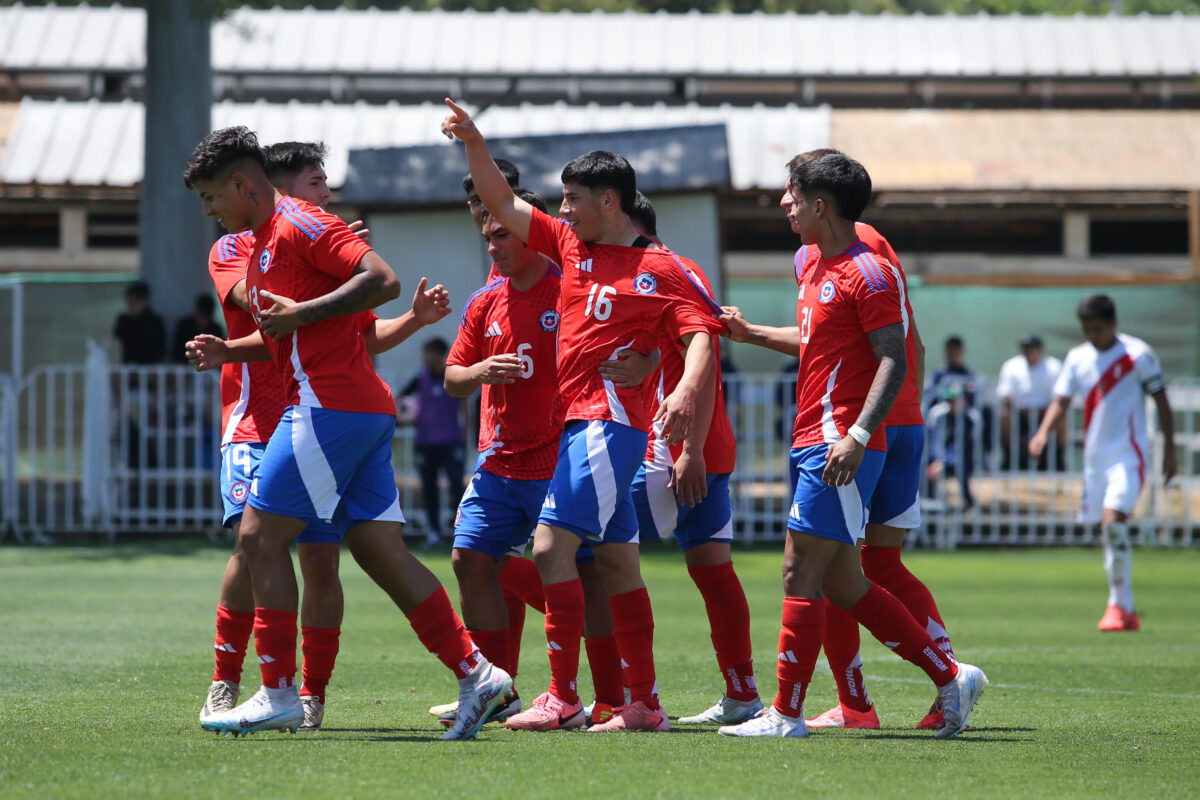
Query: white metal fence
(99, 448)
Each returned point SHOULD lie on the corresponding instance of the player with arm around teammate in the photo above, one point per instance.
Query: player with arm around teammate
(617, 288)
(253, 399)
(1112, 371)
(330, 456)
(852, 366)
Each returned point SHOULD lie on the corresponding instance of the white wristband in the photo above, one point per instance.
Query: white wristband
(859, 435)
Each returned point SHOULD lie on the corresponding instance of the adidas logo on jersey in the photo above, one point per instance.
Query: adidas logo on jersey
(585, 265)
(493, 330)
(549, 503)
(795, 512)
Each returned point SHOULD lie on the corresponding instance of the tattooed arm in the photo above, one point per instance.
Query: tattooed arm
(373, 283)
(844, 458)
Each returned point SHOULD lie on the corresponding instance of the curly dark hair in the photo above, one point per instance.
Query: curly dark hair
(286, 160)
(220, 149)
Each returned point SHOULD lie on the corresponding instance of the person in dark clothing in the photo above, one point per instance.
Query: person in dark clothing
(439, 440)
(200, 321)
(142, 334)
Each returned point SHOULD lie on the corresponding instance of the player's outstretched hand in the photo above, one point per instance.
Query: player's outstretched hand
(689, 479)
(1037, 444)
(430, 305)
(842, 462)
(629, 368)
(500, 368)
(733, 319)
(281, 318)
(676, 412)
(459, 123)
(206, 352)
(360, 231)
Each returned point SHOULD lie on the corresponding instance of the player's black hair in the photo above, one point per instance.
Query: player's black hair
(810, 155)
(219, 150)
(507, 168)
(139, 289)
(954, 341)
(603, 170)
(1097, 306)
(643, 216)
(528, 195)
(839, 178)
(286, 160)
(436, 345)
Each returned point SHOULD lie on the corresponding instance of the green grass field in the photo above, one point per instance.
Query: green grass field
(105, 656)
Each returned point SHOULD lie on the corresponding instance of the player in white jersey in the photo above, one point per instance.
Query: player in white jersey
(1112, 371)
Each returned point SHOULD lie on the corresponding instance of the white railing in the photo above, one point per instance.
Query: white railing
(1012, 505)
(98, 448)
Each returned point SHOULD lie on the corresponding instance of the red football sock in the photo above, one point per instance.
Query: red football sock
(845, 661)
(516, 628)
(320, 649)
(799, 645)
(729, 627)
(882, 565)
(494, 646)
(275, 643)
(233, 635)
(633, 628)
(441, 631)
(604, 660)
(564, 630)
(890, 622)
(520, 577)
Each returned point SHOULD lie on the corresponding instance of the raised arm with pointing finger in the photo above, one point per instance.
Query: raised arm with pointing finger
(491, 185)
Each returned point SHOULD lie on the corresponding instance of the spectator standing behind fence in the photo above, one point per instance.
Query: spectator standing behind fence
(142, 334)
(1026, 389)
(952, 425)
(201, 320)
(439, 439)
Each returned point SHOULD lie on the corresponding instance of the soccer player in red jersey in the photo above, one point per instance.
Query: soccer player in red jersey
(684, 491)
(253, 398)
(894, 510)
(330, 456)
(850, 337)
(618, 289)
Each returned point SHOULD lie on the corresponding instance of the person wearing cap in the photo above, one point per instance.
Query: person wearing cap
(1026, 389)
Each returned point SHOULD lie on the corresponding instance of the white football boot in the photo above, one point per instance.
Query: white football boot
(267, 710)
(479, 694)
(958, 697)
(726, 712)
(769, 723)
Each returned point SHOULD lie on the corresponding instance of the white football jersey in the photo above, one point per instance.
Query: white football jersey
(1113, 385)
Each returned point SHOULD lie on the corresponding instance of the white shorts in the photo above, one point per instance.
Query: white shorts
(1115, 486)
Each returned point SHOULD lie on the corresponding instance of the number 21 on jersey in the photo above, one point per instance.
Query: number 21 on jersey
(805, 324)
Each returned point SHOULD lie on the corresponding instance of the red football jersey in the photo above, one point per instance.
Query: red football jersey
(302, 252)
(613, 298)
(907, 408)
(516, 428)
(841, 300)
(253, 396)
(720, 448)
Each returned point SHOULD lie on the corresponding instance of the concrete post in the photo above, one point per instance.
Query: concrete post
(175, 238)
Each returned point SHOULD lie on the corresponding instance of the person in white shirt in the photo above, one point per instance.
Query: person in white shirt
(1026, 389)
(1112, 371)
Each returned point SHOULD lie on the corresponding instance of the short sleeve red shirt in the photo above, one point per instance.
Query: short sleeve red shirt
(253, 396)
(613, 297)
(907, 408)
(517, 431)
(303, 252)
(720, 448)
(841, 300)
